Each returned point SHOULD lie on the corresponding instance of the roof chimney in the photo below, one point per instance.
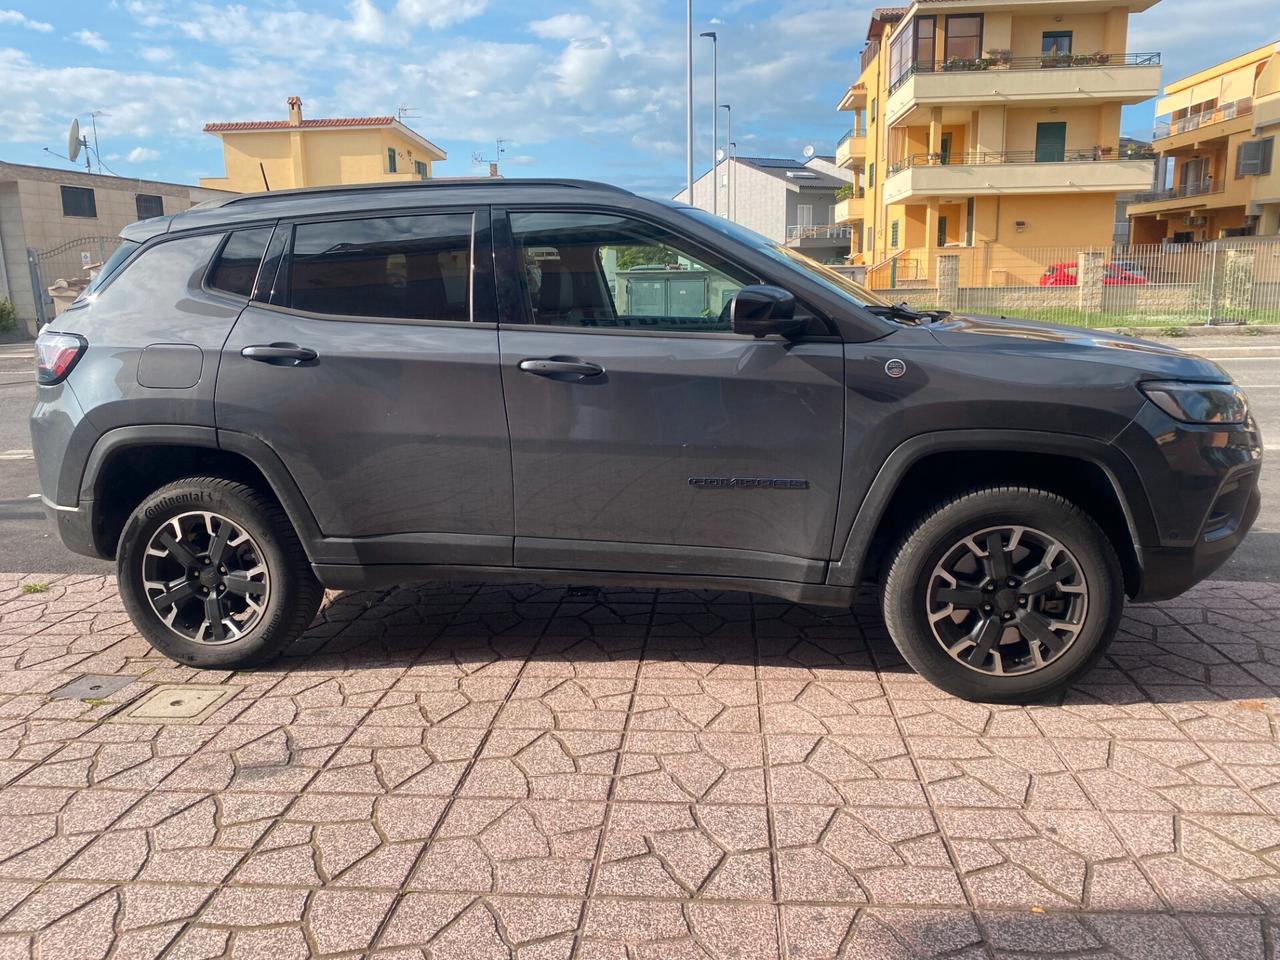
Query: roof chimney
(295, 111)
(493, 169)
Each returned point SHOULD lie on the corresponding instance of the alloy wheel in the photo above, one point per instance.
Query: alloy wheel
(206, 578)
(1007, 600)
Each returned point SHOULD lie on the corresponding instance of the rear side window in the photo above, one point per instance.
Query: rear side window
(402, 268)
(237, 264)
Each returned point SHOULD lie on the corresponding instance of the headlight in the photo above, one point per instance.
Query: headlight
(1199, 402)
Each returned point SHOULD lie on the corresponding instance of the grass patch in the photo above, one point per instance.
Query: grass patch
(35, 588)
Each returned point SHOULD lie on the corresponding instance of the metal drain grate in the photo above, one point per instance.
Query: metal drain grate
(178, 703)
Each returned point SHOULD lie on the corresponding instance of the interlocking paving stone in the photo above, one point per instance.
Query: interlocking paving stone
(466, 770)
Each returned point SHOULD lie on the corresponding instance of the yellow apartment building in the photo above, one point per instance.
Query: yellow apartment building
(284, 154)
(1218, 169)
(991, 124)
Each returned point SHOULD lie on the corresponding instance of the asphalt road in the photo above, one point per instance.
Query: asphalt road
(28, 543)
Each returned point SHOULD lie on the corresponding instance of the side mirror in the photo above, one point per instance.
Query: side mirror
(760, 310)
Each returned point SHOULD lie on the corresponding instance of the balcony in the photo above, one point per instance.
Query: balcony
(849, 210)
(851, 149)
(1203, 125)
(1093, 78)
(1185, 196)
(854, 98)
(983, 173)
(818, 235)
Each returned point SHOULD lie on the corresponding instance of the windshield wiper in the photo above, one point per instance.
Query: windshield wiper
(900, 311)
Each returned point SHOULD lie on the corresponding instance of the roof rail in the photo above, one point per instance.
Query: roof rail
(435, 184)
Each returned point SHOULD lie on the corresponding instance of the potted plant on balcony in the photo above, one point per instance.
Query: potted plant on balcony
(999, 58)
(846, 192)
(1057, 60)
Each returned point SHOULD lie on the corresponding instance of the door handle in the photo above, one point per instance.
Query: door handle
(279, 354)
(561, 368)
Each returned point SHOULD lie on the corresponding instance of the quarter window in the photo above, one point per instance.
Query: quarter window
(237, 264)
(398, 268)
(601, 271)
(79, 202)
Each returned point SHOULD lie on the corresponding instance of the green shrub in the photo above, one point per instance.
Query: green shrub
(1173, 331)
(1252, 332)
(8, 316)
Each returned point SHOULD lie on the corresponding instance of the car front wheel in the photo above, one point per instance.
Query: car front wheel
(212, 574)
(1004, 595)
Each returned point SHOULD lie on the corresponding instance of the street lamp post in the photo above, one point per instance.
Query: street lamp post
(731, 204)
(689, 99)
(729, 137)
(715, 120)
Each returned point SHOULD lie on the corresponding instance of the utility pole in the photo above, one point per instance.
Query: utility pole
(715, 120)
(688, 59)
(728, 110)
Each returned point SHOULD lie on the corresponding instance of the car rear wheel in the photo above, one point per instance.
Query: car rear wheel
(212, 574)
(1004, 595)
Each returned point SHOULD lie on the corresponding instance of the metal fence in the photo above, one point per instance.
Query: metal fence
(72, 260)
(1232, 281)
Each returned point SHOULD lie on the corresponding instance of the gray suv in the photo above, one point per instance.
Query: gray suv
(561, 381)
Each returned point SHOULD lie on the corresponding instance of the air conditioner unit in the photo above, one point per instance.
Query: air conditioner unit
(1195, 221)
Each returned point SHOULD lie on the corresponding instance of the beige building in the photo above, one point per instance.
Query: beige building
(1220, 176)
(991, 124)
(296, 152)
(55, 222)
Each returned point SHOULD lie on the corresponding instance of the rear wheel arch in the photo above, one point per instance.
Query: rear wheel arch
(129, 464)
(929, 469)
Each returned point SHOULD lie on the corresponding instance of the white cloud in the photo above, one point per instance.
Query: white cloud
(142, 155)
(367, 22)
(438, 14)
(91, 39)
(22, 20)
(564, 26)
(156, 54)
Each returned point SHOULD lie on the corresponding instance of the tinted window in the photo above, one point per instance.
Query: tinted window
(108, 269)
(411, 268)
(237, 265)
(78, 202)
(607, 272)
(149, 205)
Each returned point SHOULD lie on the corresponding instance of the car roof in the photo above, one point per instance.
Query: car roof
(250, 207)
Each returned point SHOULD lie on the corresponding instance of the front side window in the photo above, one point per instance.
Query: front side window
(964, 38)
(397, 268)
(237, 265)
(79, 202)
(603, 271)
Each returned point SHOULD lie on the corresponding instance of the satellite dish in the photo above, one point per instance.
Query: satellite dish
(809, 151)
(719, 155)
(73, 141)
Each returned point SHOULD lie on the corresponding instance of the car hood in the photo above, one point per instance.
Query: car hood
(1000, 334)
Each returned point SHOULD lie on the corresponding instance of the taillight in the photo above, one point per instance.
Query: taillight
(56, 355)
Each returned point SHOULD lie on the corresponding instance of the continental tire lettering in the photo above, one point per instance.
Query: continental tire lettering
(747, 483)
(176, 500)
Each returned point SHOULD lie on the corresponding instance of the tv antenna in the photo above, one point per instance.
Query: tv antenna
(406, 113)
(500, 145)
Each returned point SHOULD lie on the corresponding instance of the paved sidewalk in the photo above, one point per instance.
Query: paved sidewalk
(457, 771)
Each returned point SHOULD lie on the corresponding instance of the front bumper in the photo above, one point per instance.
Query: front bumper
(1201, 482)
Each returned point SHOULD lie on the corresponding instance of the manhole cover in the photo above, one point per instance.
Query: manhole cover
(178, 703)
(92, 686)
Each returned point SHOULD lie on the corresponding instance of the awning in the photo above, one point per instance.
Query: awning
(1173, 102)
(1204, 92)
(1238, 84)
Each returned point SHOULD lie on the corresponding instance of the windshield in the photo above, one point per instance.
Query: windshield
(833, 280)
(107, 269)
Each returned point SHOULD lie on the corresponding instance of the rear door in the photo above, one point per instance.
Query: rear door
(657, 440)
(368, 361)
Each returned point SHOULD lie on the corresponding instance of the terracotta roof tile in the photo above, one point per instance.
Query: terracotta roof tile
(241, 125)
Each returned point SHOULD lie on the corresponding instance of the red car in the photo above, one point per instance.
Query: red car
(1064, 275)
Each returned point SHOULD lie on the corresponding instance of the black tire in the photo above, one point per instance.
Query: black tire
(292, 592)
(923, 621)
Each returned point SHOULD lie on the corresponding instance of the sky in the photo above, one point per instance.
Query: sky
(592, 89)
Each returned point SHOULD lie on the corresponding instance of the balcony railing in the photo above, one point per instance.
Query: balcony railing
(1197, 188)
(869, 53)
(834, 231)
(849, 135)
(1002, 61)
(1098, 154)
(1203, 118)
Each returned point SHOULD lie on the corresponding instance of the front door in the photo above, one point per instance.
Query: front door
(371, 369)
(660, 443)
(1051, 142)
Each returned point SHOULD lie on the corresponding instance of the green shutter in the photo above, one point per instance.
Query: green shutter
(391, 159)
